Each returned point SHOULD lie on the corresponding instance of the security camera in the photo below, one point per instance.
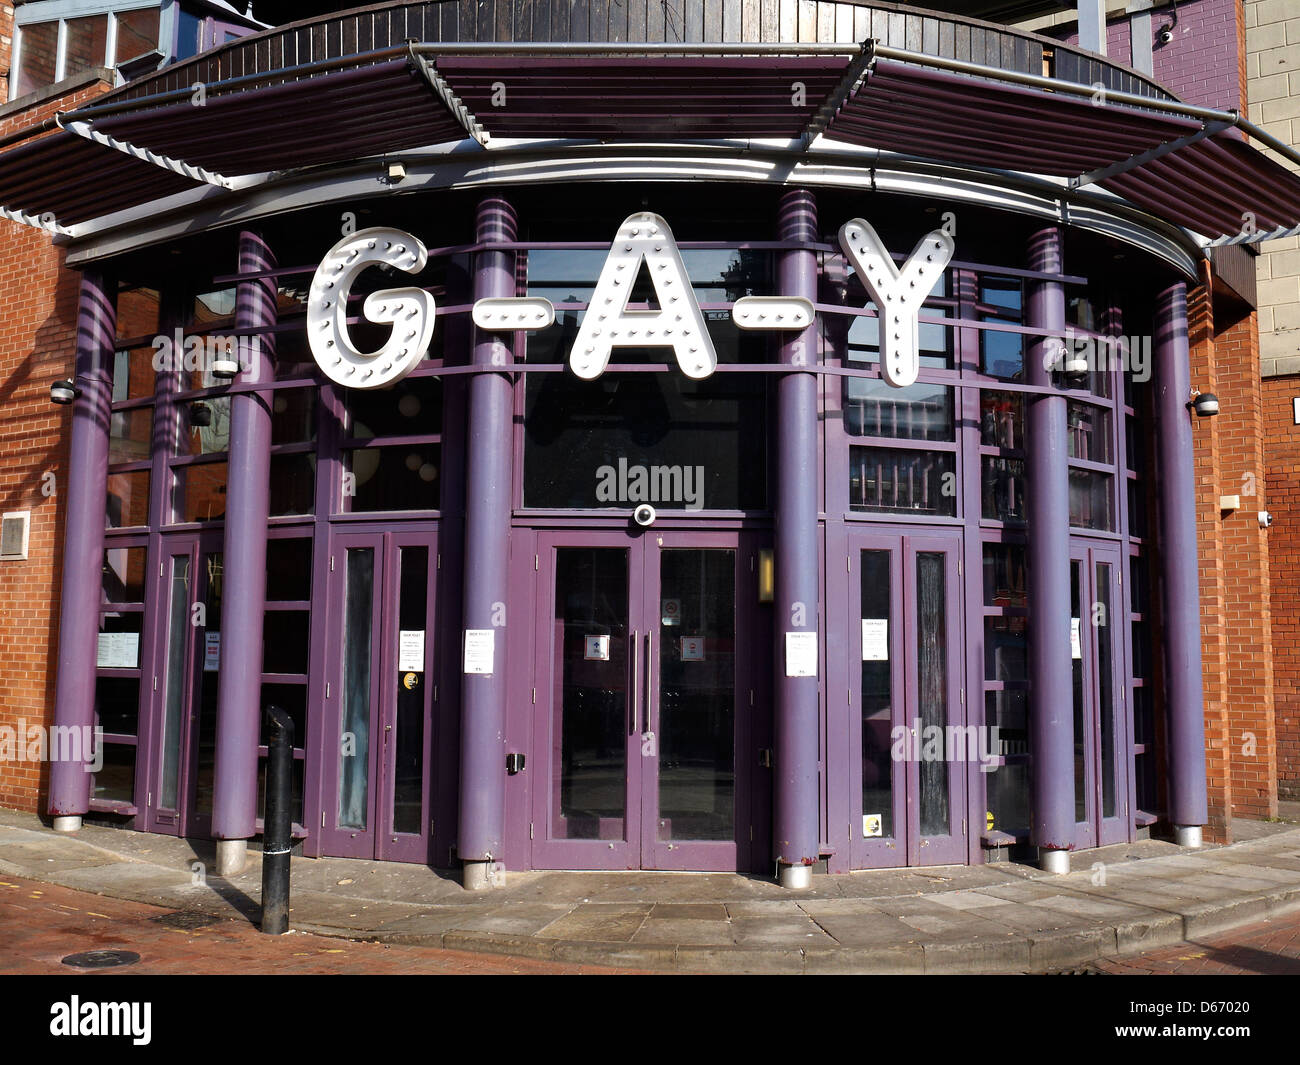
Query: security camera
(644, 515)
(1265, 519)
(1165, 35)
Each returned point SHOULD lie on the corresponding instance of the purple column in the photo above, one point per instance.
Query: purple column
(1051, 711)
(796, 821)
(1180, 576)
(487, 542)
(86, 490)
(239, 694)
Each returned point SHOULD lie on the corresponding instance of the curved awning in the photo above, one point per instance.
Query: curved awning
(1190, 166)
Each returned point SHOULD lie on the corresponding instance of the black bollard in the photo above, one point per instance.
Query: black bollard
(277, 831)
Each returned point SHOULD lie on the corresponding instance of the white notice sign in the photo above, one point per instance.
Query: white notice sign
(118, 650)
(1076, 648)
(479, 647)
(875, 639)
(211, 652)
(410, 650)
(801, 654)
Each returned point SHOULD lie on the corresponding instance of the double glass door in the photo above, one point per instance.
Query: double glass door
(645, 700)
(1101, 742)
(179, 775)
(380, 691)
(913, 751)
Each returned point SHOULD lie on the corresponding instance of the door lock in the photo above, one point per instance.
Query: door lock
(765, 758)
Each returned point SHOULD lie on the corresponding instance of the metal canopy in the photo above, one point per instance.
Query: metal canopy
(1187, 165)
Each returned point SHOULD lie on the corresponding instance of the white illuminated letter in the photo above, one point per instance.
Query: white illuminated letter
(608, 324)
(409, 310)
(898, 294)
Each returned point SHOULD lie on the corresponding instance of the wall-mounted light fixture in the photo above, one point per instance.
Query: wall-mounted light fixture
(1206, 404)
(200, 415)
(396, 173)
(766, 575)
(64, 392)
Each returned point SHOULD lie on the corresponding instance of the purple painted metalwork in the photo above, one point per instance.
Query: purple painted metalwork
(795, 826)
(1051, 712)
(487, 549)
(239, 699)
(83, 544)
(1177, 488)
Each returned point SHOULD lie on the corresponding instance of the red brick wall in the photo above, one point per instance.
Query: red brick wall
(1282, 458)
(38, 299)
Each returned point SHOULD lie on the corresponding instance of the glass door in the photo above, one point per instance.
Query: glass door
(643, 701)
(1101, 731)
(915, 750)
(380, 692)
(178, 798)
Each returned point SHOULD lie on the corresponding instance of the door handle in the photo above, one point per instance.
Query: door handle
(635, 694)
(649, 659)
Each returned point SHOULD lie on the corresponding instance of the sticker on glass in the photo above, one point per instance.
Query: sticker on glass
(873, 825)
(410, 650)
(875, 639)
(692, 648)
(595, 648)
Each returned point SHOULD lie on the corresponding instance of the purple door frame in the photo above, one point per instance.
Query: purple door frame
(640, 847)
(903, 544)
(377, 839)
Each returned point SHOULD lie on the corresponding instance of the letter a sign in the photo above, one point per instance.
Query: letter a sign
(898, 294)
(644, 238)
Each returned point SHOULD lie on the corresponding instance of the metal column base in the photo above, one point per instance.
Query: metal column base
(1054, 861)
(794, 877)
(232, 856)
(1187, 835)
(68, 823)
(477, 876)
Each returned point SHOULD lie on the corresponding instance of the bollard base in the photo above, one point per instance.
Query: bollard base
(1187, 835)
(1054, 861)
(232, 856)
(69, 823)
(476, 876)
(794, 877)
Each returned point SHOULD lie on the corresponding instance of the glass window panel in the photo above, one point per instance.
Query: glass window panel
(1088, 432)
(1002, 489)
(404, 477)
(1105, 633)
(293, 484)
(117, 705)
(139, 310)
(1006, 644)
(292, 699)
(932, 685)
(37, 53)
(1135, 445)
(1002, 419)
(590, 711)
(137, 32)
(917, 412)
(1090, 500)
(115, 782)
(133, 374)
(176, 680)
(130, 435)
(296, 782)
(293, 416)
(1002, 354)
(1076, 669)
(210, 574)
(1137, 508)
(124, 572)
(1139, 586)
(354, 738)
(285, 641)
(902, 482)
(128, 499)
(199, 493)
(1008, 785)
(205, 426)
(209, 308)
(412, 407)
(697, 695)
(877, 694)
(288, 569)
(1004, 575)
(86, 44)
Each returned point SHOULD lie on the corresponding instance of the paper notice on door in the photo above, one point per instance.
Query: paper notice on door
(118, 650)
(1076, 647)
(692, 648)
(480, 646)
(801, 654)
(211, 652)
(410, 650)
(875, 639)
(872, 825)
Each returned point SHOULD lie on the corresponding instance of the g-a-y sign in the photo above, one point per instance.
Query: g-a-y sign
(643, 239)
